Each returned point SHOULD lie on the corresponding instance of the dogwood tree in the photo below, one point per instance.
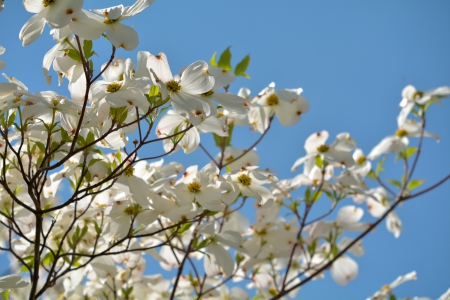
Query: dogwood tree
(128, 208)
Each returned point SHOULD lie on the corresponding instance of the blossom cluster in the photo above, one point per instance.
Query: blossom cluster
(125, 205)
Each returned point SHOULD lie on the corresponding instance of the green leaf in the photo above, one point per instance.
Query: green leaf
(98, 230)
(84, 231)
(319, 161)
(6, 294)
(211, 213)
(80, 141)
(239, 258)
(73, 54)
(53, 146)
(218, 140)
(212, 61)
(307, 194)
(48, 259)
(410, 151)
(64, 134)
(392, 297)
(87, 49)
(317, 196)
(185, 227)
(396, 183)
(11, 119)
(93, 161)
(154, 91)
(372, 175)
(225, 60)
(380, 166)
(242, 66)
(203, 244)
(334, 250)
(413, 184)
(90, 138)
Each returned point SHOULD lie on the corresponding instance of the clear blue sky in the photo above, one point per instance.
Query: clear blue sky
(352, 58)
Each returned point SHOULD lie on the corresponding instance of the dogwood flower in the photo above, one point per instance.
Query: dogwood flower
(337, 154)
(250, 182)
(411, 97)
(288, 105)
(385, 292)
(185, 90)
(118, 34)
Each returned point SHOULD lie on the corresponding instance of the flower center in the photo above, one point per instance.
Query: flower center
(173, 86)
(361, 160)
(417, 95)
(272, 100)
(113, 87)
(208, 93)
(323, 148)
(245, 180)
(401, 132)
(48, 2)
(129, 171)
(129, 210)
(194, 187)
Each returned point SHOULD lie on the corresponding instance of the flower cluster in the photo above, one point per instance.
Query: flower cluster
(126, 204)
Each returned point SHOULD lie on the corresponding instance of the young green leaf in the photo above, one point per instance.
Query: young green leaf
(225, 60)
(242, 66)
(212, 61)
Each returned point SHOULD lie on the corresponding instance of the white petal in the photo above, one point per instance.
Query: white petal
(136, 8)
(60, 12)
(315, 140)
(122, 36)
(213, 124)
(344, 269)
(33, 6)
(32, 29)
(196, 79)
(232, 102)
(87, 25)
(160, 66)
(350, 214)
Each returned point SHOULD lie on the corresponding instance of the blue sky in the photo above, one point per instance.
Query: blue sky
(352, 58)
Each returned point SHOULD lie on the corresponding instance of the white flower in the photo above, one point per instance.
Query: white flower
(288, 105)
(337, 154)
(185, 91)
(118, 34)
(411, 96)
(344, 269)
(386, 290)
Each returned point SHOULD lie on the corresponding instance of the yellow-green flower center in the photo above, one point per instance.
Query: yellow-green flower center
(361, 160)
(323, 148)
(130, 210)
(245, 180)
(113, 87)
(48, 2)
(401, 132)
(194, 187)
(129, 171)
(272, 100)
(417, 95)
(208, 93)
(173, 86)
